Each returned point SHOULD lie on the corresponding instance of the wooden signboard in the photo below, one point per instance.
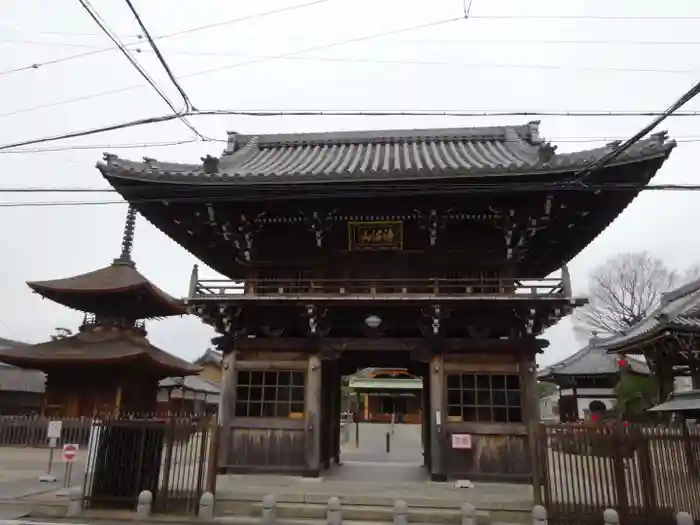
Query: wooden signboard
(375, 235)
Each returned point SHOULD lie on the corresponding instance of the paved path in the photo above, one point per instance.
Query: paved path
(21, 467)
(405, 444)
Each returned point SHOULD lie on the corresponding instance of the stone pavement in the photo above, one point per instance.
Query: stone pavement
(405, 444)
(21, 467)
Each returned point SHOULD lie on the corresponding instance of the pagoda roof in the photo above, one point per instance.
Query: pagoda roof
(591, 360)
(117, 289)
(377, 155)
(97, 346)
(678, 310)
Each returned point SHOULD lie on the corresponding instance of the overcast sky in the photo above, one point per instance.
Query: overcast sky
(500, 59)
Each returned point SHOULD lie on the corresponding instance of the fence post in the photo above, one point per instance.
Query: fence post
(468, 514)
(610, 517)
(75, 502)
(145, 502)
(206, 507)
(269, 510)
(333, 512)
(539, 515)
(400, 512)
(684, 518)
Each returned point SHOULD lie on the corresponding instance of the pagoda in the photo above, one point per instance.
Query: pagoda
(440, 251)
(108, 367)
(588, 378)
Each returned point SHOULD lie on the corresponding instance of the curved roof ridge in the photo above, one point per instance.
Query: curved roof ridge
(529, 131)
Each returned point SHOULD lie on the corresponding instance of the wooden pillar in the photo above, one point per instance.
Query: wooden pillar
(529, 393)
(313, 417)
(227, 406)
(437, 419)
(664, 379)
(695, 377)
(337, 409)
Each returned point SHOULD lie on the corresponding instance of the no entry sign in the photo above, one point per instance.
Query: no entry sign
(69, 452)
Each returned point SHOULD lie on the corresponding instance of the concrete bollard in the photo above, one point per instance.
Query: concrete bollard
(145, 503)
(75, 502)
(468, 514)
(400, 512)
(269, 510)
(206, 507)
(539, 515)
(684, 518)
(333, 512)
(610, 517)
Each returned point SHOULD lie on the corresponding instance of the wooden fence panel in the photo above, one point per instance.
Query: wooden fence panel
(648, 473)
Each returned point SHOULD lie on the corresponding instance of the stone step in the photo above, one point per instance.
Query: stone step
(252, 520)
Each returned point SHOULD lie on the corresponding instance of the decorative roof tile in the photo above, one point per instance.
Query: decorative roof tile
(377, 155)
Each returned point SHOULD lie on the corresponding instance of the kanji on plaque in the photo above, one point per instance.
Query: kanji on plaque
(461, 441)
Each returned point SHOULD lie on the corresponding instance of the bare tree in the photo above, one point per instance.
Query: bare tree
(623, 290)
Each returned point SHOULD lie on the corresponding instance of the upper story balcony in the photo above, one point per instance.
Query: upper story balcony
(557, 288)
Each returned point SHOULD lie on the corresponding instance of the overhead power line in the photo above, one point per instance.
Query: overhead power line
(619, 150)
(162, 37)
(105, 29)
(161, 58)
(315, 113)
(416, 190)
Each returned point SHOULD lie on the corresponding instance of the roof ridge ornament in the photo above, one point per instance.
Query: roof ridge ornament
(128, 239)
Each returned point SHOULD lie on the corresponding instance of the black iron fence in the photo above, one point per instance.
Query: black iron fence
(168, 456)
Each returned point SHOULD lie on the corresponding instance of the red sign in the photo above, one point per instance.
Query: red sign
(461, 441)
(69, 452)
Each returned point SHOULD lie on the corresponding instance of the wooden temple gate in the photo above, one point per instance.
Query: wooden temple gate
(647, 473)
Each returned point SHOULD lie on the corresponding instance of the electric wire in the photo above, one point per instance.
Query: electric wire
(275, 194)
(689, 95)
(105, 29)
(162, 37)
(315, 113)
(188, 103)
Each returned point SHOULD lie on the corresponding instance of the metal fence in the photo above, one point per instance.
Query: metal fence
(645, 472)
(31, 431)
(168, 456)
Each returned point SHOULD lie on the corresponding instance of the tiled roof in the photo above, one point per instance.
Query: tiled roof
(103, 345)
(13, 379)
(377, 155)
(193, 383)
(591, 360)
(678, 309)
(212, 357)
(112, 288)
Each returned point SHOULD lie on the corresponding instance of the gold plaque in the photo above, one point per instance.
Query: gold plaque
(375, 235)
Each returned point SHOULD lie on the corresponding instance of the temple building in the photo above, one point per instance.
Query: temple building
(668, 339)
(21, 391)
(441, 251)
(387, 394)
(588, 378)
(109, 367)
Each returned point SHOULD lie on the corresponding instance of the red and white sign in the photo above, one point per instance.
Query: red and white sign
(69, 452)
(461, 441)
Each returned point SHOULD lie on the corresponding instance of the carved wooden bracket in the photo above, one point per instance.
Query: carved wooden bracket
(319, 224)
(433, 221)
(244, 234)
(317, 320)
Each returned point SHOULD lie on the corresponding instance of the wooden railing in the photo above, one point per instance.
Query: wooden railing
(213, 289)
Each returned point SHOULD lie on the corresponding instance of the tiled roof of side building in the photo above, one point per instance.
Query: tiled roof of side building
(679, 309)
(591, 360)
(378, 154)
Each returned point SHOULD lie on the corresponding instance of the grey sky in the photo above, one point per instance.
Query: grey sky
(484, 64)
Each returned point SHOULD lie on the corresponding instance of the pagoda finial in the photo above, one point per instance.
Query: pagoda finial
(127, 238)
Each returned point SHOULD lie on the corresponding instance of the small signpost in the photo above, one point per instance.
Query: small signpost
(461, 441)
(53, 433)
(70, 450)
